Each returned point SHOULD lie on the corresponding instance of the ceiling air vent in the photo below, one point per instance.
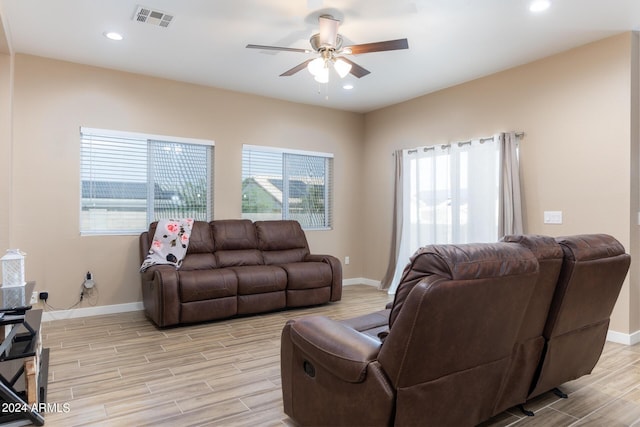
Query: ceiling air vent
(153, 17)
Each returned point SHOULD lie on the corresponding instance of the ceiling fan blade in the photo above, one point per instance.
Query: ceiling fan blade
(378, 46)
(328, 30)
(356, 69)
(297, 68)
(287, 49)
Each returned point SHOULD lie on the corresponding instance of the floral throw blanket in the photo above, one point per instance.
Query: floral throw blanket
(170, 243)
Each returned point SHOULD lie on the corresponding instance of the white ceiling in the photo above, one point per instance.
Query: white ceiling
(450, 41)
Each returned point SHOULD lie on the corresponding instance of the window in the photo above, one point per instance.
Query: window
(287, 184)
(129, 180)
(453, 193)
(450, 195)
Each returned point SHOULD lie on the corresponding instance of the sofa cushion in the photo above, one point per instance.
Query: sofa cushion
(261, 303)
(281, 241)
(234, 234)
(284, 257)
(201, 241)
(200, 250)
(210, 309)
(239, 258)
(260, 279)
(308, 275)
(207, 284)
(199, 262)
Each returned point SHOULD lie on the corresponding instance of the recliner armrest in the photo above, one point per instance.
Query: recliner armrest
(339, 349)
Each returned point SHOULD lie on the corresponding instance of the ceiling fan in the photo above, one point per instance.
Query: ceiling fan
(328, 43)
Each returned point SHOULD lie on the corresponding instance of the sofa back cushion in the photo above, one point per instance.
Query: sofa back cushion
(594, 268)
(200, 250)
(281, 242)
(593, 271)
(236, 243)
(549, 255)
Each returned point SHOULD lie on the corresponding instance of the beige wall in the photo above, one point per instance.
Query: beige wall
(53, 99)
(5, 149)
(575, 109)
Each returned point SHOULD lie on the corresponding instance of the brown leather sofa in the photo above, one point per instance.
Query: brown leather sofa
(473, 330)
(238, 267)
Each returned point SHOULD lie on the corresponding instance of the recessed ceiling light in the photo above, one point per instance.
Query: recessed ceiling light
(113, 35)
(539, 5)
(347, 86)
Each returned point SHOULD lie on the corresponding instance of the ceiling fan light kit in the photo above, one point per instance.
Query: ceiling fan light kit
(319, 68)
(328, 44)
(341, 67)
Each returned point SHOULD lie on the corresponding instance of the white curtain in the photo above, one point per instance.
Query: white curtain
(451, 195)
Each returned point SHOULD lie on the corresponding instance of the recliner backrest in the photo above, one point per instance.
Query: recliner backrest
(236, 243)
(593, 271)
(199, 254)
(530, 342)
(281, 242)
(451, 338)
(200, 250)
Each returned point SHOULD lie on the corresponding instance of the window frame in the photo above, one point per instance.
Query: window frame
(328, 196)
(87, 132)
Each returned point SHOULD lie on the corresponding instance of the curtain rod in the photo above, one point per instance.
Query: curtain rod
(460, 143)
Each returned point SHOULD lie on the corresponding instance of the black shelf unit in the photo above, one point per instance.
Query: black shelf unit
(20, 344)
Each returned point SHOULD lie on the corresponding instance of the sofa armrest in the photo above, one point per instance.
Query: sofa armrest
(143, 245)
(336, 269)
(160, 294)
(339, 349)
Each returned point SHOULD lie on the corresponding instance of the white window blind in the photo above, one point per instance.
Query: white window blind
(287, 184)
(129, 180)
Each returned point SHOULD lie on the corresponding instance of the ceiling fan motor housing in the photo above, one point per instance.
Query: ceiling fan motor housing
(315, 43)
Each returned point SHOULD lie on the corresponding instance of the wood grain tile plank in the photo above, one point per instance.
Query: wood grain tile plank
(161, 363)
(210, 414)
(190, 403)
(126, 406)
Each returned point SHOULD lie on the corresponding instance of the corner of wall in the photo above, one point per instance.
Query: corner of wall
(634, 176)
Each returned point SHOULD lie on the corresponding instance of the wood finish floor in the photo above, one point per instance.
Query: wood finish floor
(119, 370)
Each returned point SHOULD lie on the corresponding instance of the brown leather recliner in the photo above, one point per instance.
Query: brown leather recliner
(452, 330)
(593, 271)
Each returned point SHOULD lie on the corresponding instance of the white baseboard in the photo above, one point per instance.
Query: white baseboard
(361, 281)
(620, 338)
(92, 311)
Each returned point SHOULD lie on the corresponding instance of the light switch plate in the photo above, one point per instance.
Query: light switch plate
(553, 217)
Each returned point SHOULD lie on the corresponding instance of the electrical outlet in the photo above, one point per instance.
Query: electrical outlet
(347, 260)
(34, 298)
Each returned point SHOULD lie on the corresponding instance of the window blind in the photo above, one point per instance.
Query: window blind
(130, 180)
(287, 184)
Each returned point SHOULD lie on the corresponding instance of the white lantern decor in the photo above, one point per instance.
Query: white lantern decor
(13, 268)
